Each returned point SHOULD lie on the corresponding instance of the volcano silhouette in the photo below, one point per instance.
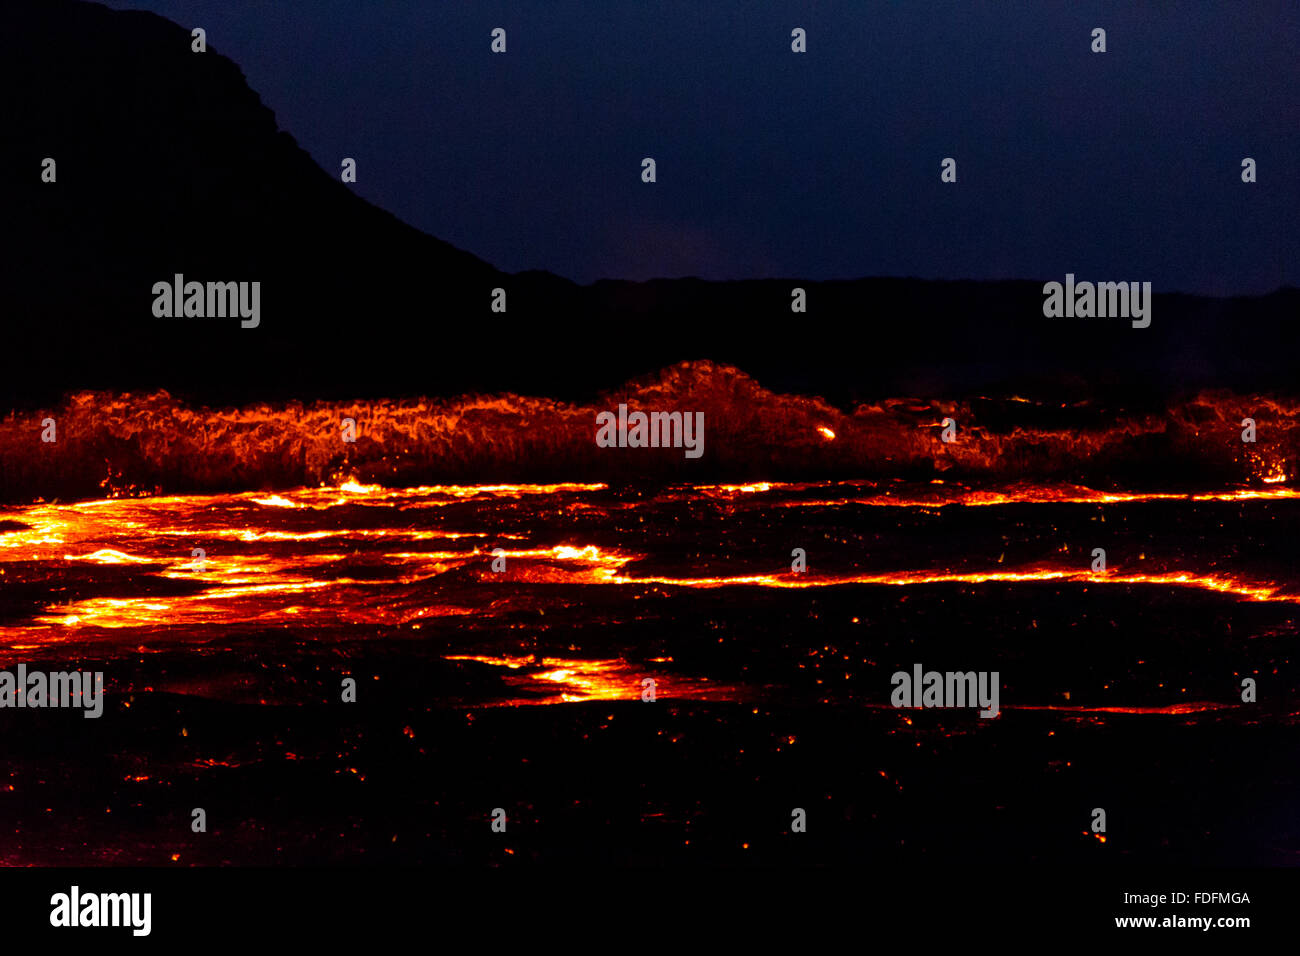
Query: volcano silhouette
(167, 163)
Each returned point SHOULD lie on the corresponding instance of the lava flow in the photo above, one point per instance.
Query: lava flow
(670, 622)
(155, 571)
(360, 554)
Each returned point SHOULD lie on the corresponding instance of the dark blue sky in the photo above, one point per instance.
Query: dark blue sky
(1115, 166)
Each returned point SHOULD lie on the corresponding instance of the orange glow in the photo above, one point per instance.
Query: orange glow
(1172, 710)
(571, 680)
(939, 495)
(1224, 584)
(755, 488)
(257, 566)
(273, 559)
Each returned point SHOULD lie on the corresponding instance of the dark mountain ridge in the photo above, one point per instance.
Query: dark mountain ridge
(168, 163)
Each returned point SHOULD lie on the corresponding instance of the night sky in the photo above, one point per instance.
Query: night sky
(1117, 166)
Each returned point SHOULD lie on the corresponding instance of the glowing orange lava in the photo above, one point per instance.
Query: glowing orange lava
(245, 558)
(571, 680)
(943, 495)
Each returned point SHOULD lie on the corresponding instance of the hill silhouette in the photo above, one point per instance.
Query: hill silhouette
(168, 163)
